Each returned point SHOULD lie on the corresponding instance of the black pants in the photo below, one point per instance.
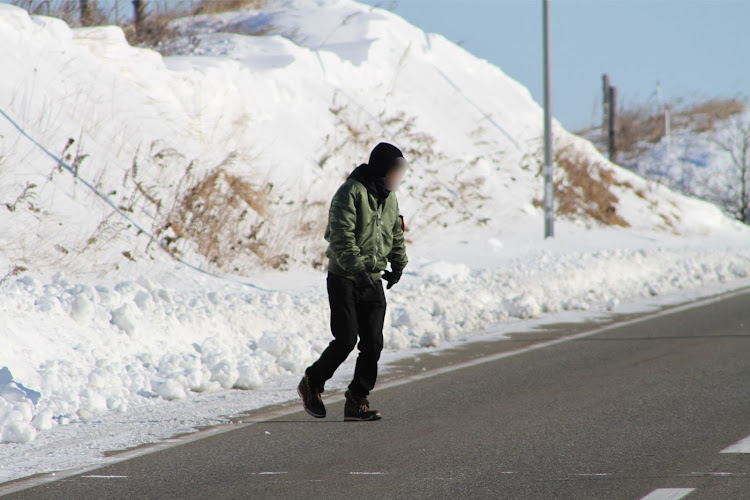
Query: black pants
(353, 313)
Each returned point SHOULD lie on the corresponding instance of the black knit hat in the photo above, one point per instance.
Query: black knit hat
(384, 157)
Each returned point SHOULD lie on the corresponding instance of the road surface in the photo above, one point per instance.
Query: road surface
(658, 407)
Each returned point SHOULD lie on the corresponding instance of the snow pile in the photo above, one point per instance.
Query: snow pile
(112, 347)
(225, 155)
(17, 421)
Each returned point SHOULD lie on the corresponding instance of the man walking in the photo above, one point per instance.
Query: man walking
(364, 233)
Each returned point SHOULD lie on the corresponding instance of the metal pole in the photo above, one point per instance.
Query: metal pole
(549, 230)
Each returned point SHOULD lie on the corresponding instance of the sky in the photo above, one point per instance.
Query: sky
(695, 48)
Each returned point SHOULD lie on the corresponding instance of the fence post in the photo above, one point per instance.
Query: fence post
(605, 105)
(139, 8)
(611, 144)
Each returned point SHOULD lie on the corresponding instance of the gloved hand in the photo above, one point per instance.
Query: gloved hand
(363, 280)
(391, 277)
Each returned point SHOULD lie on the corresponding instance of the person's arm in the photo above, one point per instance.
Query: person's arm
(398, 256)
(342, 219)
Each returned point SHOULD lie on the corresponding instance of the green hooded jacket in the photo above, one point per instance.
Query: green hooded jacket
(363, 234)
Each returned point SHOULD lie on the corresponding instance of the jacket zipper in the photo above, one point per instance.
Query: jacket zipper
(378, 223)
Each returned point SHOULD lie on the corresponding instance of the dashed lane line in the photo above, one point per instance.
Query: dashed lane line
(741, 446)
(668, 494)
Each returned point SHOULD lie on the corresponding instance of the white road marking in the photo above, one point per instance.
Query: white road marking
(266, 473)
(668, 494)
(104, 477)
(367, 473)
(741, 446)
(718, 474)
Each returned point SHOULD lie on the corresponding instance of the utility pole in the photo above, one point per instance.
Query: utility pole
(549, 189)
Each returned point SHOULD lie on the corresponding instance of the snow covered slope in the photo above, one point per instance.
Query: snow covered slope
(269, 125)
(225, 155)
(708, 163)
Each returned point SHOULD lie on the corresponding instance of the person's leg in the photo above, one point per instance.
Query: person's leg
(370, 317)
(342, 299)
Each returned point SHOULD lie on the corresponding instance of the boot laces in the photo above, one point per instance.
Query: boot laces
(315, 394)
(364, 406)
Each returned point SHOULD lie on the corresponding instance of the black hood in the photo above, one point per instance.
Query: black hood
(374, 183)
(382, 158)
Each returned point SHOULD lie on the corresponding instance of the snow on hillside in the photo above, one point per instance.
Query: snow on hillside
(708, 164)
(225, 155)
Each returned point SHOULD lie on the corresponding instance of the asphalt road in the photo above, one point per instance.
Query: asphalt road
(619, 414)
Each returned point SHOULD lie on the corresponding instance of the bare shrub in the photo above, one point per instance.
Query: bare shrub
(737, 145)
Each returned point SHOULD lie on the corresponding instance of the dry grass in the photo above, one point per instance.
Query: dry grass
(636, 125)
(26, 195)
(704, 115)
(234, 223)
(222, 215)
(584, 189)
(152, 31)
(218, 6)
(14, 270)
(639, 125)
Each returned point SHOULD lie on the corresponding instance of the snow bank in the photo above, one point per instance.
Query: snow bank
(92, 348)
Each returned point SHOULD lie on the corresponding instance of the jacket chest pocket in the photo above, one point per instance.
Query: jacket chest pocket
(388, 221)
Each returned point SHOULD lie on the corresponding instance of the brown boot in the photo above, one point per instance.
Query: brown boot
(358, 410)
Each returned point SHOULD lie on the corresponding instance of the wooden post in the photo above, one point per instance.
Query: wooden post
(87, 17)
(605, 105)
(611, 144)
(668, 128)
(139, 14)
